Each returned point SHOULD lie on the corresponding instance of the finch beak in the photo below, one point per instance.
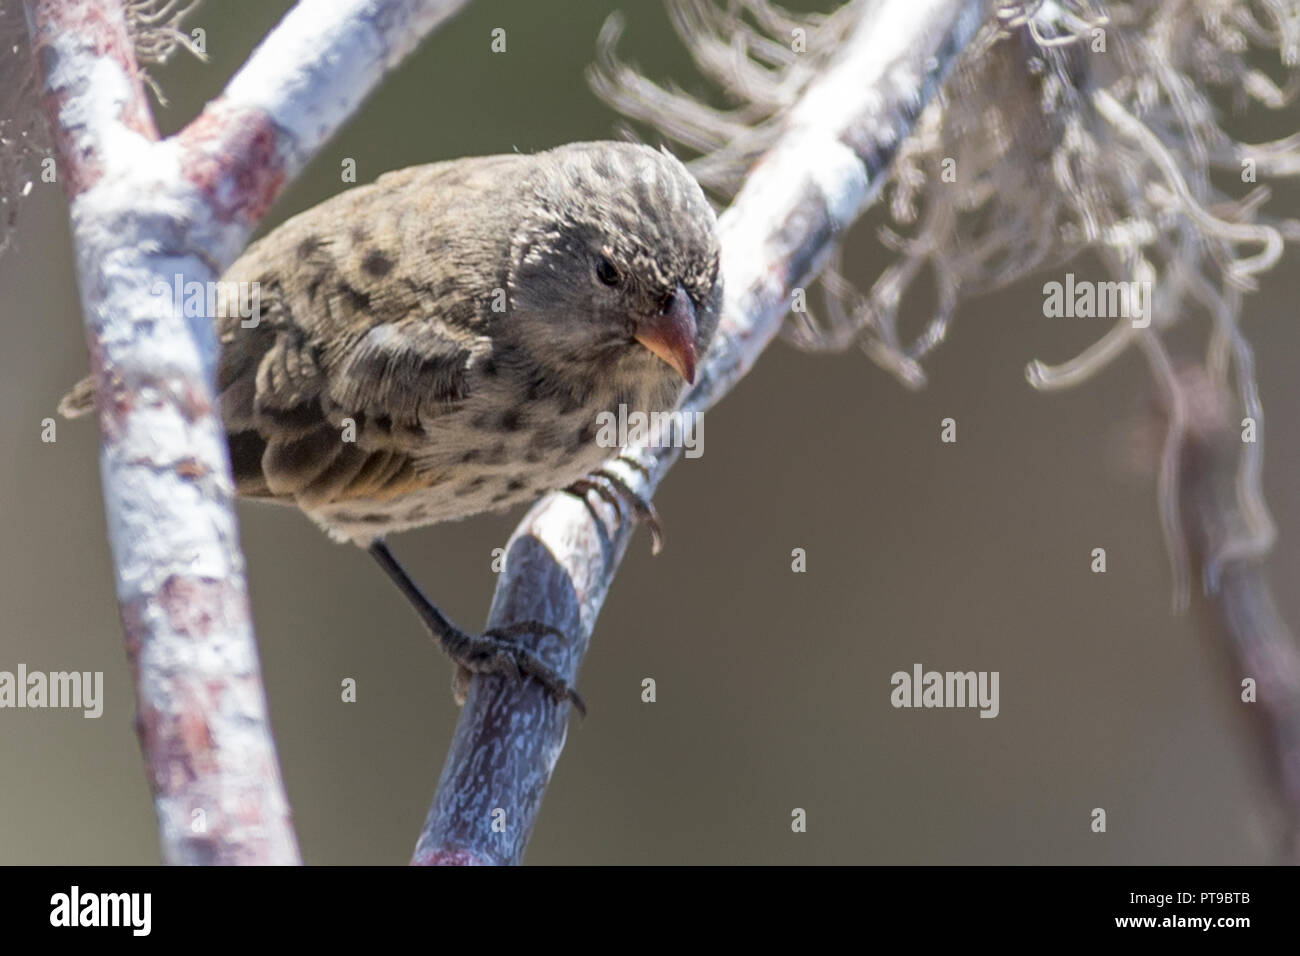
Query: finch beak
(671, 334)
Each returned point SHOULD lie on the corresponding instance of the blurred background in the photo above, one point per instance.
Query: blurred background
(773, 687)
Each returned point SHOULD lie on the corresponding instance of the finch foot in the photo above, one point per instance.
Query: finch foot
(613, 490)
(492, 652)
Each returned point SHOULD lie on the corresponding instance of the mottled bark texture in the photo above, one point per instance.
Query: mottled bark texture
(144, 211)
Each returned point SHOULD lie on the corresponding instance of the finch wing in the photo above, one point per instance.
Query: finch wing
(364, 334)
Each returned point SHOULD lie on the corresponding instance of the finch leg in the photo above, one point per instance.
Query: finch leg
(615, 491)
(491, 652)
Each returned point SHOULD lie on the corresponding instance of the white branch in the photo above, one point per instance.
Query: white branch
(561, 561)
(143, 212)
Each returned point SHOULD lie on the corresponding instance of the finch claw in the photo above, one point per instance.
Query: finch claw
(515, 662)
(612, 489)
(635, 465)
(582, 486)
(576, 700)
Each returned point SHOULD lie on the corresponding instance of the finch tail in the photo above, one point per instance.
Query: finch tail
(79, 401)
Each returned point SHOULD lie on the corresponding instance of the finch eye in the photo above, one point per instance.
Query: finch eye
(607, 272)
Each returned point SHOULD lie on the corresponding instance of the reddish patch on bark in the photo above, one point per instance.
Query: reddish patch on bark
(195, 403)
(177, 742)
(115, 404)
(172, 720)
(115, 401)
(446, 858)
(233, 158)
(196, 606)
(191, 468)
(133, 625)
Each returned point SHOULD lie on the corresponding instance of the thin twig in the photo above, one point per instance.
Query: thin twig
(1256, 642)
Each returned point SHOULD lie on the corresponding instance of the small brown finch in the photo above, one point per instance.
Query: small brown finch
(440, 343)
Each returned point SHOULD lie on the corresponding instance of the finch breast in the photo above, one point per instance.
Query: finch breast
(500, 450)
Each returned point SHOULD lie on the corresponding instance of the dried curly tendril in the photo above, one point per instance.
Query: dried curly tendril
(1070, 129)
